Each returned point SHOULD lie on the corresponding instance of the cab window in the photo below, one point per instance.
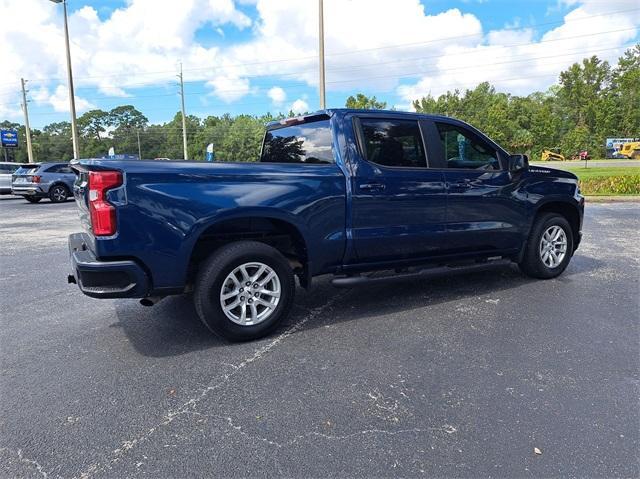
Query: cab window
(307, 143)
(391, 142)
(464, 150)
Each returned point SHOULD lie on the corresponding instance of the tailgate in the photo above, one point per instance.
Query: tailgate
(24, 174)
(81, 195)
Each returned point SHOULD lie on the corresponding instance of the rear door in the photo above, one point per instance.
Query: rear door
(482, 213)
(397, 203)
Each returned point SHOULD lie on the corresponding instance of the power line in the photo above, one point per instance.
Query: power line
(405, 75)
(448, 87)
(470, 52)
(304, 85)
(356, 51)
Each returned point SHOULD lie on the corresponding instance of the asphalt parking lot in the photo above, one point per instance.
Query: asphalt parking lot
(460, 376)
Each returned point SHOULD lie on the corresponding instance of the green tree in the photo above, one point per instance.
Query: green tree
(126, 117)
(92, 123)
(591, 102)
(626, 93)
(583, 89)
(127, 123)
(363, 102)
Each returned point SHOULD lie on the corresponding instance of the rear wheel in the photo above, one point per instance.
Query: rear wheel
(549, 248)
(32, 199)
(58, 193)
(244, 290)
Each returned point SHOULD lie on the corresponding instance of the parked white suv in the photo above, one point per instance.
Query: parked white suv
(6, 170)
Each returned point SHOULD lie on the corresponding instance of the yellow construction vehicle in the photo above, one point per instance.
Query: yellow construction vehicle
(630, 150)
(551, 155)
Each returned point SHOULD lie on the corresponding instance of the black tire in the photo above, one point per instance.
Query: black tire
(32, 199)
(532, 264)
(209, 283)
(58, 193)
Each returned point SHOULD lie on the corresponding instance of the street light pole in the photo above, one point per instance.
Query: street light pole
(72, 100)
(139, 147)
(27, 129)
(321, 53)
(184, 118)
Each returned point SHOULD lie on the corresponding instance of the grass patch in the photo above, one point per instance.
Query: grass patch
(607, 180)
(602, 171)
(611, 185)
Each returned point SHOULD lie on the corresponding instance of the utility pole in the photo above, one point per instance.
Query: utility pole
(184, 118)
(26, 120)
(139, 149)
(321, 53)
(72, 100)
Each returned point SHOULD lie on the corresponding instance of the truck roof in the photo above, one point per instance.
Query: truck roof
(331, 111)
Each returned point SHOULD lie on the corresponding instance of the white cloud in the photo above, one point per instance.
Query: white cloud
(514, 61)
(299, 106)
(277, 95)
(59, 100)
(130, 47)
(142, 43)
(229, 88)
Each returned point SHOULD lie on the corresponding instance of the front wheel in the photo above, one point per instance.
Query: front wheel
(244, 290)
(549, 247)
(58, 194)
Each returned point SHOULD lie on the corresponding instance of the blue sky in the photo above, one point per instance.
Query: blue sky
(254, 56)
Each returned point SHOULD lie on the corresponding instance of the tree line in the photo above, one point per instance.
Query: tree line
(592, 101)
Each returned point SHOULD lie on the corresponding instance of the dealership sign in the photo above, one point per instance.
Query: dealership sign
(9, 138)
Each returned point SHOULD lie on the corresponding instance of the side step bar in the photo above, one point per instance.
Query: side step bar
(359, 280)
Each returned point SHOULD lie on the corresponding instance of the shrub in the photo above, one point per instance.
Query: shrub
(611, 185)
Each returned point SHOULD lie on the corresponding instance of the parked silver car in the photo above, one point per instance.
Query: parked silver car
(44, 180)
(6, 171)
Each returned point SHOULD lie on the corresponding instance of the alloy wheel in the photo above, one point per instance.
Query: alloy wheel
(553, 246)
(250, 294)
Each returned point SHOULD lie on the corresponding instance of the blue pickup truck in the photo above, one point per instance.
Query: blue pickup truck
(341, 192)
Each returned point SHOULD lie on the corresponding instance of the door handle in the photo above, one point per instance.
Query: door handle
(372, 186)
(459, 184)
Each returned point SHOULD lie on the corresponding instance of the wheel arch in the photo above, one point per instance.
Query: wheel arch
(282, 233)
(60, 183)
(568, 210)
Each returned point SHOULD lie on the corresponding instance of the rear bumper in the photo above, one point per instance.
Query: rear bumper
(105, 279)
(28, 191)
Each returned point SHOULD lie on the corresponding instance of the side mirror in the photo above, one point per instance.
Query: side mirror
(518, 163)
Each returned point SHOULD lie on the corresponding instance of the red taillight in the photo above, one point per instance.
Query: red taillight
(34, 179)
(103, 214)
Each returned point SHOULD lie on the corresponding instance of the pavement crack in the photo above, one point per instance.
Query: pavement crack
(189, 407)
(26, 460)
(445, 428)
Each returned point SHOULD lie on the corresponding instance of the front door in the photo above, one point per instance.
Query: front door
(482, 213)
(398, 204)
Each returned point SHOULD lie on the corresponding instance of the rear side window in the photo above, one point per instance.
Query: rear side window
(390, 142)
(59, 169)
(305, 143)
